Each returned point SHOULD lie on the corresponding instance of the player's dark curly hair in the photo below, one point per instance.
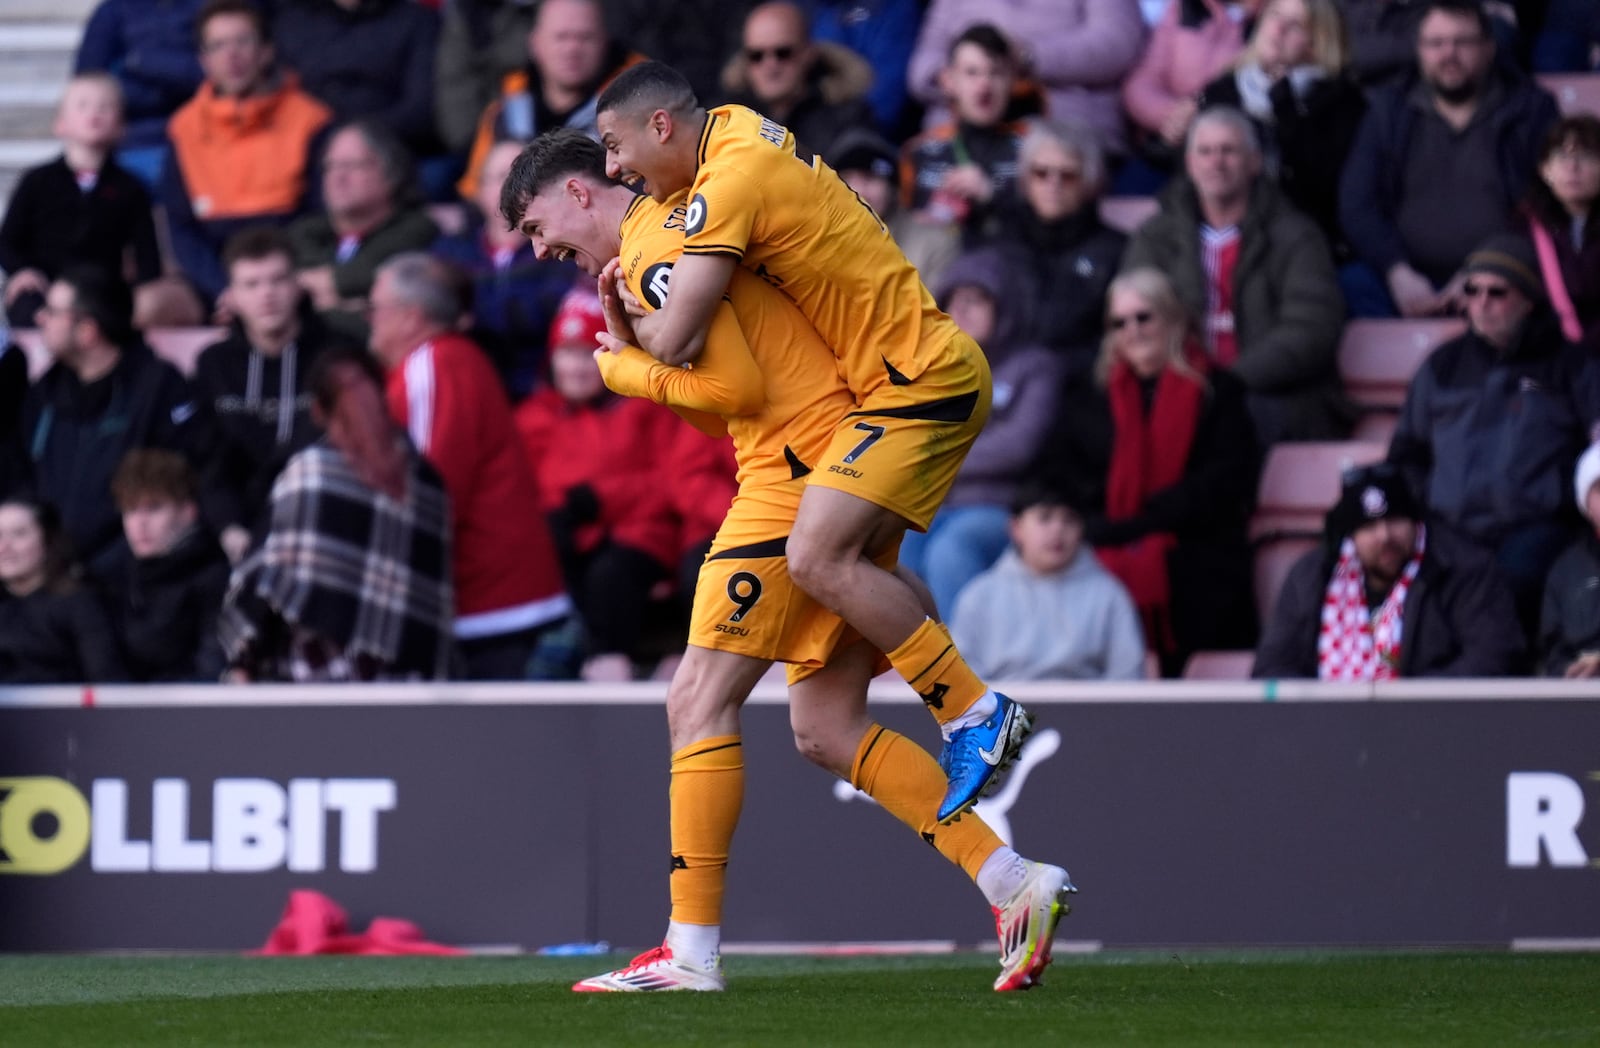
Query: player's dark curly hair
(549, 158)
(652, 85)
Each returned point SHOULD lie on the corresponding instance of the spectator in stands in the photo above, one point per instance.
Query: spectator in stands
(251, 387)
(1569, 622)
(1291, 82)
(1157, 450)
(13, 393)
(1048, 610)
(952, 174)
(444, 391)
(1383, 36)
(1051, 229)
(53, 629)
(600, 460)
(83, 208)
(105, 394)
(1389, 597)
(369, 59)
(1259, 275)
(1077, 53)
(514, 294)
(1569, 42)
(1563, 214)
(816, 90)
(371, 212)
(353, 581)
(570, 58)
(1495, 418)
(148, 45)
(481, 42)
(990, 301)
(882, 32)
(171, 594)
(1439, 163)
(243, 149)
(871, 166)
(695, 37)
(1193, 43)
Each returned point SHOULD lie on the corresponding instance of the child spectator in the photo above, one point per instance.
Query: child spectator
(1569, 625)
(952, 173)
(84, 209)
(169, 600)
(1047, 610)
(600, 460)
(53, 630)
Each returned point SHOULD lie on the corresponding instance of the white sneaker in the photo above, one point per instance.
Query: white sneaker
(655, 970)
(1027, 925)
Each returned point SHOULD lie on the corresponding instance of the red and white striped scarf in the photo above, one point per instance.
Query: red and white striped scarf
(1355, 643)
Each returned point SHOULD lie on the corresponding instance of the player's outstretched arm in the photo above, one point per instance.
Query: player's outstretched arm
(676, 333)
(725, 380)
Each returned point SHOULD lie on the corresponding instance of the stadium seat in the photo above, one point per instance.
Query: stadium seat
(1219, 665)
(1300, 481)
(1127, 213)
(1272, 563)
(181, 347)
(1575, 92)
(1378, 357)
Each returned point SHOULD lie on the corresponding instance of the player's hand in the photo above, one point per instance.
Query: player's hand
(609, 343)
(610, 287)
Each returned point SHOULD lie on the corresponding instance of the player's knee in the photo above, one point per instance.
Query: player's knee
(812, 567)
(821, 747)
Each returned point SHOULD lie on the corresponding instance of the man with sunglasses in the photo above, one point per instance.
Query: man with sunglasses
(1389, 596)
(1495, 418)
(816, 90)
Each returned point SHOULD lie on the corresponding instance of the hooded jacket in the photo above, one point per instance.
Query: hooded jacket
(1489, 439)
(1287, 307)
(75, 436)
(1027, 382)
(1078, 624)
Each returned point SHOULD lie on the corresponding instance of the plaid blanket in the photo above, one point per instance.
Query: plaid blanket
(349, 584)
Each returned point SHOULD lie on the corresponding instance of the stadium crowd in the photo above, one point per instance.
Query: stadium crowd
(393, 458)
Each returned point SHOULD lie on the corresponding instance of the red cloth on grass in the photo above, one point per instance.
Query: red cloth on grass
(313, 923)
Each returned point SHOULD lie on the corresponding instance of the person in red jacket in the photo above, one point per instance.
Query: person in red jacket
(442, 388)
(606, 477)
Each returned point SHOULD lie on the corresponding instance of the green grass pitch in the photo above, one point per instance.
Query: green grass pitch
(1113, 998)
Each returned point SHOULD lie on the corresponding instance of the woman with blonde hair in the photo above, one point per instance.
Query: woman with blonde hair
(1158, 449)
(1292, 81)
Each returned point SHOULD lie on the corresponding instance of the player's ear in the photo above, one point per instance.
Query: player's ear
(661, 124)
(578, 191)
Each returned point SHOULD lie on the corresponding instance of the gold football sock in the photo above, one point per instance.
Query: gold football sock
(707, 790)
(930, 663)
(907, 782)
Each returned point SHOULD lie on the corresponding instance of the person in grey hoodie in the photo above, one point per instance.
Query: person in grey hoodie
(990, 301)
(1047, 610)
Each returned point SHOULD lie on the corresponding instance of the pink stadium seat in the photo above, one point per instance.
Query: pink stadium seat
(1272, 565)
(1301, 481)
(181, 347)
(1378, 357)
(1219, 665)
(1126, 213)
(1575, 92)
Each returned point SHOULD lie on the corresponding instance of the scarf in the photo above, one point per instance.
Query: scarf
(1148, 454)
(1555, 284)
(1355, 643)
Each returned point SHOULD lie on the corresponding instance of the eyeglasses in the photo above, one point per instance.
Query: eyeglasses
(1064, 175)
(1493, 292)
(757, 55)
(1139, 319)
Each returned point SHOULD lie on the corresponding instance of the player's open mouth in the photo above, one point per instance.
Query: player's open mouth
(562, 254)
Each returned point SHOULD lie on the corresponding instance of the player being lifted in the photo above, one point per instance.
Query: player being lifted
(759, 369)
(921, 385)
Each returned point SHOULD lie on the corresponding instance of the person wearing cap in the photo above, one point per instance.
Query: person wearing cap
(817, 90)
(1047, 610)
(1569, 623)
(1389, 596)
(1494, 419)
(600, 460)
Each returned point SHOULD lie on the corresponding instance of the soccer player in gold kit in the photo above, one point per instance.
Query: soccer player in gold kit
(759, 204)
(765, 375)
